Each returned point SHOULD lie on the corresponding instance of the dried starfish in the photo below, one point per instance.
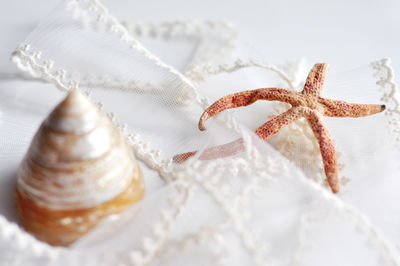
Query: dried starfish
(308, 104)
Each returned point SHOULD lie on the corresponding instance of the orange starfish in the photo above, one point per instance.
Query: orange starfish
(308, 104)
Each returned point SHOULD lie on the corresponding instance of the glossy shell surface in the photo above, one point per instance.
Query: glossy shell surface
(78, 170)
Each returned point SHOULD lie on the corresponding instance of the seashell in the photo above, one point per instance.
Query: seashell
(78, 170)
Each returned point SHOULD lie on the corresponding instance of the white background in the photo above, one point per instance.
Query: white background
(343, 33)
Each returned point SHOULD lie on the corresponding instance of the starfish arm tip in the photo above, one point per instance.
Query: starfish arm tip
(334, 183)
(180, 158)
(202, 121)
(201, 126)
(335, 189)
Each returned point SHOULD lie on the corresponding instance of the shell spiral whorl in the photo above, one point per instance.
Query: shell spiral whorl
(78, 169)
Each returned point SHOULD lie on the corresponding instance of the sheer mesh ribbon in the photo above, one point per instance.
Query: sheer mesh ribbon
(264, 206)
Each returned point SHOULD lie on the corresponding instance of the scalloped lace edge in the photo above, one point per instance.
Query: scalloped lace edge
(148, 250)
(151, 158)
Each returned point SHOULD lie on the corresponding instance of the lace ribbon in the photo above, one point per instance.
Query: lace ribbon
(29, 61)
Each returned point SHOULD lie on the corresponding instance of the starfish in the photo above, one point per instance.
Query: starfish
(307, 103)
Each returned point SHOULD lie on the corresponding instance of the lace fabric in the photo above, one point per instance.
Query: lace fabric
(266, 206)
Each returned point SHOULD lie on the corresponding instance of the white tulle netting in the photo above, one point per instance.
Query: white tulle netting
(266, 206)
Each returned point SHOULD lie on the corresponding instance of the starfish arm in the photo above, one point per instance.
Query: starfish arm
(274, 125)
(316, 79)
(327, 148)
(220, 151)
(246, 98)
(266, 131)
(342, 109)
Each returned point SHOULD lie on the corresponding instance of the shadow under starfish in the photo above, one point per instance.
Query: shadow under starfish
(308, 104)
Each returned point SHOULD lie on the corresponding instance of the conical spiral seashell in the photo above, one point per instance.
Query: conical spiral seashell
(78, 169)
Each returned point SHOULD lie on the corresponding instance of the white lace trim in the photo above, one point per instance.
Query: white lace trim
(391, 97)
(24, 242)
(152, 159)
(178, 28)
(153, 245)
(198, 238)
(98, 13)
(203, 31)
(297, 132)
(27, 61)
(199, 73)
(206, 177)
(199, 30)
(364, 225)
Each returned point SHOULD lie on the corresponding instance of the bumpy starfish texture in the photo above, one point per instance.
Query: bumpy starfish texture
(308, 104)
